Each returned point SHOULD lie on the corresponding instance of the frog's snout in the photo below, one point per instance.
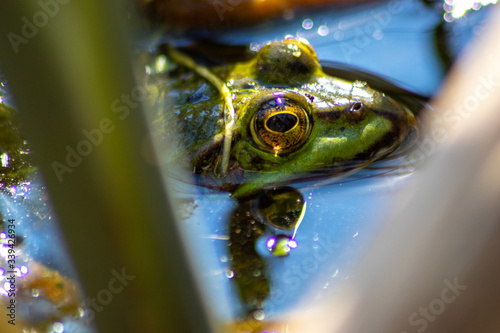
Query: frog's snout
(288, 62)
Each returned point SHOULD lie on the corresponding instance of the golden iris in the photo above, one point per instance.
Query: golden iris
(281, 125)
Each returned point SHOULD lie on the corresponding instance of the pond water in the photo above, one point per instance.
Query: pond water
(396, 40)
(320, 226)
(340, 218)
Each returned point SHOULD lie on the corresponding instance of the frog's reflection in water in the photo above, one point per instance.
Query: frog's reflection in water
(265, 224)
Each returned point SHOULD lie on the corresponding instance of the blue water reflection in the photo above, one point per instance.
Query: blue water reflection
(395, 39)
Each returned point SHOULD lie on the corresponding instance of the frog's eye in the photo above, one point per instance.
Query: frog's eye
(280, 125)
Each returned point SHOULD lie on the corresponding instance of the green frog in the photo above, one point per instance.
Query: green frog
(275, 118)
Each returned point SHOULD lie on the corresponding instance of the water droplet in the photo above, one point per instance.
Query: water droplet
(280, 207)
(307, 24)
(336, 273)
(259, 315)
(359, 84)
(223, 259)
(4, 160)
(315, 246)
(326, 285)
(296, 54)
(355, 235)
(35, 292)
(229, 274)
(271, 241)
(323, 30)
(256, 272)
(58, 327)
(280, 245)
(254, 47)
(161, 64)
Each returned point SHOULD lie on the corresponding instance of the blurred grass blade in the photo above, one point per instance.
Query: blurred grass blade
(69, 70)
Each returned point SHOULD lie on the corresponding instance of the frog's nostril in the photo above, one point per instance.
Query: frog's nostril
(282, 122)
(356, 107)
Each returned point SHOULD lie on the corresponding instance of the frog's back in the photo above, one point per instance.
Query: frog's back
(195, 116)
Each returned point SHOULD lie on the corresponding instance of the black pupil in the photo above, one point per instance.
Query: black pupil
(282, 122)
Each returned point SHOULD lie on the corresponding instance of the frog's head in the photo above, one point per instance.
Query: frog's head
(301, 131)
(293, 118)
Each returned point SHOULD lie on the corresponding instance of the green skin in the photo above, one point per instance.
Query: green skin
(349, 124)
(15, 167)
